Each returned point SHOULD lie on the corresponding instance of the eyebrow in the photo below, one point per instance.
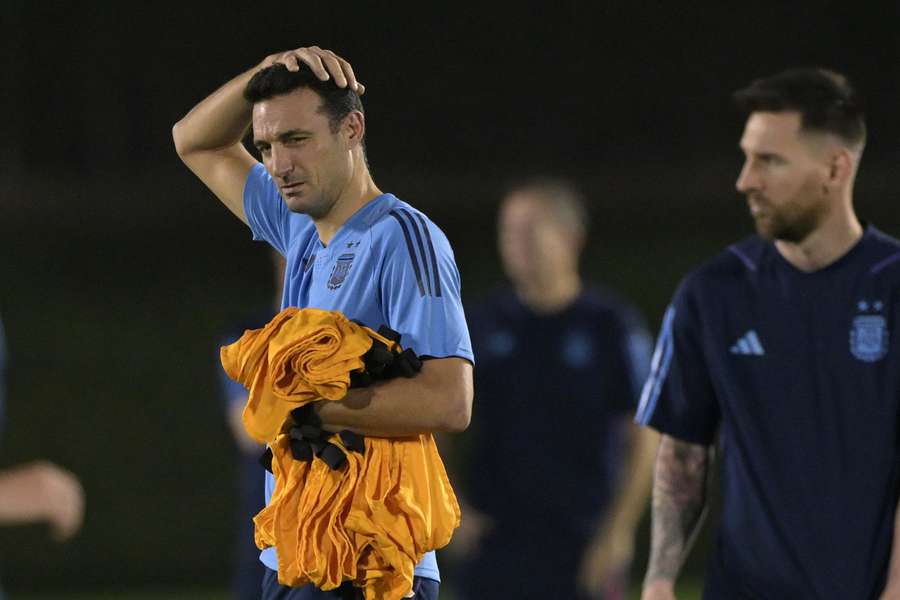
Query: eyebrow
(281, 136)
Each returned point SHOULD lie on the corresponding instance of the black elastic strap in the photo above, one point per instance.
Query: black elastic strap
(353, 441)
(387, 332)
(266, 460)
(332, 456)
(301, 450)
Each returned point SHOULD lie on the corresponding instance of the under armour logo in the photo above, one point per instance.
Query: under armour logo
(748, 345)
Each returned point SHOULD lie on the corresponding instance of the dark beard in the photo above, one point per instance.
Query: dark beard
(789, 229)
(792, 227)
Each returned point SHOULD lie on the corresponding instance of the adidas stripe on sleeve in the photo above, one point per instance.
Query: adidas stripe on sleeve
(420, 287)
(678, 398)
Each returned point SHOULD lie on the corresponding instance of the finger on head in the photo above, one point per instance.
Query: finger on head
(334, 67)
(314, 62)
(350, 76)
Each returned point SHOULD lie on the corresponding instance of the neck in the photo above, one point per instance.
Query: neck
(834, 237)
(359, 191)
(551, 294)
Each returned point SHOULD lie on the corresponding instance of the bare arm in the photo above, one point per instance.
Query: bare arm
(41, 491)
(679, 503)
(612, 548)
(892, 587)
(438, 398)
(208, 139)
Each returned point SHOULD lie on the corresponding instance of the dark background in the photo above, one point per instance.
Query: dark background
(119, 271)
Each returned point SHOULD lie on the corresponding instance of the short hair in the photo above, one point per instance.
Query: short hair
(826, 101)
(277, 80)
(563, 200)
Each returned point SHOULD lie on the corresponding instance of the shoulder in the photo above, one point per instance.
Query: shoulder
(733, 265)
(397, 226)
(605, 305)
(882, 252)
(500, 303)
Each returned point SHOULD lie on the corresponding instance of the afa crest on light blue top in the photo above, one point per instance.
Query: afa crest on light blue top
(340, 270)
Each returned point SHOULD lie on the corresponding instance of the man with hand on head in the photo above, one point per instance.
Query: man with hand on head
(349, 247)
(784, 347)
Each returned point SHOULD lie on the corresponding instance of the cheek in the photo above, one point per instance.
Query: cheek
(783, 185)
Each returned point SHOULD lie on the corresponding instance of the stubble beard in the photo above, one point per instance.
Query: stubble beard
(791, 223)
(314, 206)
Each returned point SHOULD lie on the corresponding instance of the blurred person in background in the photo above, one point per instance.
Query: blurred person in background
(40, 491)
(349, 247)
(248, 570)
(784, 347)
(557, 475)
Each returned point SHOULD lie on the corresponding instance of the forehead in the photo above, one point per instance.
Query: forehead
(767, 131)
(521, 205)
(299, 109)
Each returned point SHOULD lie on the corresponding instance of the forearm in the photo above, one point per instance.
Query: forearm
(439, 398)
(219, 121)
(892, 588)
(635, 479)
(24, 493)
(679, 500)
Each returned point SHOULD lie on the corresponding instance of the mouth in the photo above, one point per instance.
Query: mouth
(293, 189)
(757, 209)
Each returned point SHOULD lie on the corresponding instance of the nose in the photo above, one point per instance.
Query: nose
(745, 181)
(281, 163)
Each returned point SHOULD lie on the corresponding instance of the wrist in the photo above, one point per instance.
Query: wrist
(661, 584)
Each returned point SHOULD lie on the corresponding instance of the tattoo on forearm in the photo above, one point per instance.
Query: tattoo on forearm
(679, 498)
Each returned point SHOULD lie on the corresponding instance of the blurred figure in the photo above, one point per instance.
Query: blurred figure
(248, 570)
(39, 491)
(558, 476)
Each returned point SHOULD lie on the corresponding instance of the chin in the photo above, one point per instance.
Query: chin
(300, 204)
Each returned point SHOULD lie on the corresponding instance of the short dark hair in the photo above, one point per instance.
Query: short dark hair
(276, 80)
(825, 100)
(560, 196)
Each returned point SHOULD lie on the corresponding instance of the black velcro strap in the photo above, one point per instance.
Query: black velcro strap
(306, 415)
(301, 450)
(266, 460)
(387, 332)
(360, 379)
(414, 361)
(353, 441)
(332, 456)
(377, 358)
(311, 432)
(406, 364)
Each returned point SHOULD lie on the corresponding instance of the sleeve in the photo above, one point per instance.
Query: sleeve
(678, 398)
(266, 212)
(636, 349)
(420, 289)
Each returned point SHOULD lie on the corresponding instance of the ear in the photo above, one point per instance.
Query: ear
(354, 128)
(840, 168)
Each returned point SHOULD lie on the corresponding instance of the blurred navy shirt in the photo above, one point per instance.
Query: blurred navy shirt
(551, 391)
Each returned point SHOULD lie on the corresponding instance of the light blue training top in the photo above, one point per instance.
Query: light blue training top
(388, 264)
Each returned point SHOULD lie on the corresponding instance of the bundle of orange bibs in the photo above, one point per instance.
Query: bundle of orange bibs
(369, 520)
